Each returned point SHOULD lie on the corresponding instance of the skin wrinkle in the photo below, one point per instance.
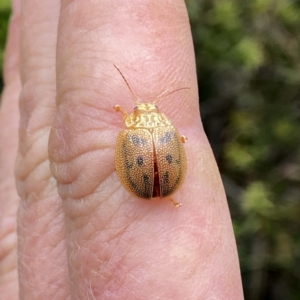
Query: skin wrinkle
(33, 139)
(43, 262)
(43, 282)
(8, 265)
(81, 207)
(82, 220)
(138, 213)
(84, 208)
(102, 232)
(37, 123)
(115, 284)
(86, 86)
(43, 227)
(81, 34)
(126, 290)
(28, 160)
(77, 144)
(24, 185)
(90, 291)
(78, 170)
(99, 115)
(44, 74)
(69, 93)
(77, 157)
(116, 280)
(73, 190)
(27, 135)
(112, 255)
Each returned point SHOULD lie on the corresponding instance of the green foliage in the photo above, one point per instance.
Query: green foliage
(4, 4)
(248, 58)
(4, 16)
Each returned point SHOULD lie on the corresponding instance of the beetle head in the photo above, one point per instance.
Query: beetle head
(146, 107)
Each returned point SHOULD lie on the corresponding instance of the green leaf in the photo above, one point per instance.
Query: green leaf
(257, 198)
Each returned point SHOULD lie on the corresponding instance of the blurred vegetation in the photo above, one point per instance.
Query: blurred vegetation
(248, 61)
(4, 17)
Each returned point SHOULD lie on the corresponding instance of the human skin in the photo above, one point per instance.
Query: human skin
(80, 234)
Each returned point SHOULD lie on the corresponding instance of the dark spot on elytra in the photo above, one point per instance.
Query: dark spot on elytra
(140, 160)
(146, 178)
(166, 138)
(132, 183)
(137, 140)
(169, 158)
(128, 165)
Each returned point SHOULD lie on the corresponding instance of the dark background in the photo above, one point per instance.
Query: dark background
(248, 62)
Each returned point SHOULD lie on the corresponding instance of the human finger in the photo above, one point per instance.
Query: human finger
(43, 272)
(116, 243)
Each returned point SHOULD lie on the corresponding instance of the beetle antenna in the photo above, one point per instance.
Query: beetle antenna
(130, 89)
(168, 92)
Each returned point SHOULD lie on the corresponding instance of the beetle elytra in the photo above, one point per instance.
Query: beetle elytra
(149, 157)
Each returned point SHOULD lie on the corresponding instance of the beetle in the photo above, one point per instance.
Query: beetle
(149, 157)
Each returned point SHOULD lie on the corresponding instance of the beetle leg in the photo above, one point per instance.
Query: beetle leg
(118, 108)
(176, 204)
(183, 139)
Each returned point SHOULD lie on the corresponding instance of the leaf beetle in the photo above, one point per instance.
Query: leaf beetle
(150, 158)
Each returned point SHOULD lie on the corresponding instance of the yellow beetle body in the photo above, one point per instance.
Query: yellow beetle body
(150, 158)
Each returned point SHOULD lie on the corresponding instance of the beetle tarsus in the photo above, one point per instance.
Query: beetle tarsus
(183, 139)
(176, 204)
